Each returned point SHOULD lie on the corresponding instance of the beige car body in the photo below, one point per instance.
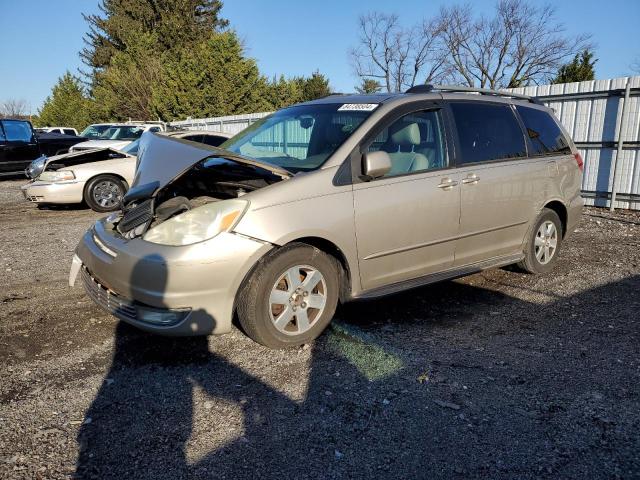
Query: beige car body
(388, 234)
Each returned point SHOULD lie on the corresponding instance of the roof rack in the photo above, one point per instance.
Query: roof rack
(428, 88)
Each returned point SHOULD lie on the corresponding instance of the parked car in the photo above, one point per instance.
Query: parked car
(56, 143)
(99, 177)
(342, 198)
(60, 130)
(119, 135)
(18, 146)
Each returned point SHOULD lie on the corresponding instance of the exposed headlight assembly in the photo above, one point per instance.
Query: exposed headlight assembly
(36, 167)
(57, 176)
(199, 224)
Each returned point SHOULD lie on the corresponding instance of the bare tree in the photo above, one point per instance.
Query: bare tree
(396, 56)
(520, 45)
(14, 107)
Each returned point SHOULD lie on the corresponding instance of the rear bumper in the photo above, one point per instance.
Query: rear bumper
(193, 286)
(45, 192)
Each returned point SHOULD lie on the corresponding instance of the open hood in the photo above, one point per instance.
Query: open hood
(174, 175)
(161, 159)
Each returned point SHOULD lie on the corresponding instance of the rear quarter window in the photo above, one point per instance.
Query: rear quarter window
(487, 132)
(544, 134)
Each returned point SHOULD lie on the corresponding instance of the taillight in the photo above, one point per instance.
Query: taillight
(579, 161)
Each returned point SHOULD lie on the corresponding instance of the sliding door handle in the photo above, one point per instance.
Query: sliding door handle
(473, 178)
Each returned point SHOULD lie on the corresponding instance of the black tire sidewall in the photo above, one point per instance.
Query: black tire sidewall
(253, 311)
(531, 262)
(88, 192)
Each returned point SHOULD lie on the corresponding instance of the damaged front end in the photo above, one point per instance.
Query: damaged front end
(185, 192)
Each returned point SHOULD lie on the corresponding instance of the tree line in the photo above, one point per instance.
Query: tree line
(166, 59)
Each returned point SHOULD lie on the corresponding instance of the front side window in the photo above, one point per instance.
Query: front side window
(544, 133)
(17, 131)
(414, 142)
(299, 138)
(487, 132)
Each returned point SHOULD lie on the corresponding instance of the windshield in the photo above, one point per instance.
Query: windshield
(122, 133)
(131, 148)
(94, 131)
(300, 138)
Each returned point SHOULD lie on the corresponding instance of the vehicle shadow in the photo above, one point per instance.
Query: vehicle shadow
(353, 422)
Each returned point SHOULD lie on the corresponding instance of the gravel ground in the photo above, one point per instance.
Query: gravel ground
(497, 375)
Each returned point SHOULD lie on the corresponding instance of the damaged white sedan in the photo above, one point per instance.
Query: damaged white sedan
(98, 177)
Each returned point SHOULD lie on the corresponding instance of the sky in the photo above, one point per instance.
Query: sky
(41, 38)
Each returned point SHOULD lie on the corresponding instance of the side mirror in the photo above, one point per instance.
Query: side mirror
(375, 164)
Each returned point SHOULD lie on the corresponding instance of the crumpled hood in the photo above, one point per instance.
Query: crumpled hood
(161, 159)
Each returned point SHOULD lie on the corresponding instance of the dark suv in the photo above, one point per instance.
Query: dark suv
(18, 146)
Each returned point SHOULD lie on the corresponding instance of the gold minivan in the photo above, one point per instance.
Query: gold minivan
(341, 198)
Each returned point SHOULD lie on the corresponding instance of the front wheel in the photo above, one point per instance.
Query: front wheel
(541, 250)
(104, 193)
(290, 298)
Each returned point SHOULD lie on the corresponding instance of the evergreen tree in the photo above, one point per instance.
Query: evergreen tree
(315, 86)
(211, 78)
(369, 85)
(67, 106)
(173, 22)
(581, 68)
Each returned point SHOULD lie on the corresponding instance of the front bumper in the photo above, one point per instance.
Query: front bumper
(48, 192)
(169, 290)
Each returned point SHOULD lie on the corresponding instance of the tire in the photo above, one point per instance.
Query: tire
(540, 252)
(104, 193)
(282, 325)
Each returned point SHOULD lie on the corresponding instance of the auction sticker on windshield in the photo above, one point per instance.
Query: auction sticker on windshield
(358, 107)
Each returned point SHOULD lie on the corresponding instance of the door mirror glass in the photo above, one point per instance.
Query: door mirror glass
(376, 164)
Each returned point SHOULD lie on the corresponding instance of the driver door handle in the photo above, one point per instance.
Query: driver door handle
(447, 183)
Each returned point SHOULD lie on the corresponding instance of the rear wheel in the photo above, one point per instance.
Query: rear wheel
(104, 193)
(541, 251)
(290, 298)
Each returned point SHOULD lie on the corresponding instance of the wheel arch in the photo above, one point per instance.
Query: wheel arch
(331, 249)
(561, 209)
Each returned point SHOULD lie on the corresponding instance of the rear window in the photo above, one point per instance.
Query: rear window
(487, 132)
(543, 131)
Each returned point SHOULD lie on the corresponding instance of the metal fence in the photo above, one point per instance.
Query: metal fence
(590, 111)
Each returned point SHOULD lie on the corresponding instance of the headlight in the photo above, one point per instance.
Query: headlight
(58, 176)
(199, 224)
(36, 167)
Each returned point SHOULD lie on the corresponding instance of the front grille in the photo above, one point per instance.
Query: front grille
(136, 216)
(105, 298)
(126, 309)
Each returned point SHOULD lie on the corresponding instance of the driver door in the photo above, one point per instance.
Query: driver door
(406, 221)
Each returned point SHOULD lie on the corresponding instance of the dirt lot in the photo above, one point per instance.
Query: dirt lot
(498, 375)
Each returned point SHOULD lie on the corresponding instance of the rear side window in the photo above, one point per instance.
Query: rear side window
(543, 131)
(68, 131)
(487, 132)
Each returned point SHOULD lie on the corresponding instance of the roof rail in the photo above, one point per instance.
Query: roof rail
(459, 89)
